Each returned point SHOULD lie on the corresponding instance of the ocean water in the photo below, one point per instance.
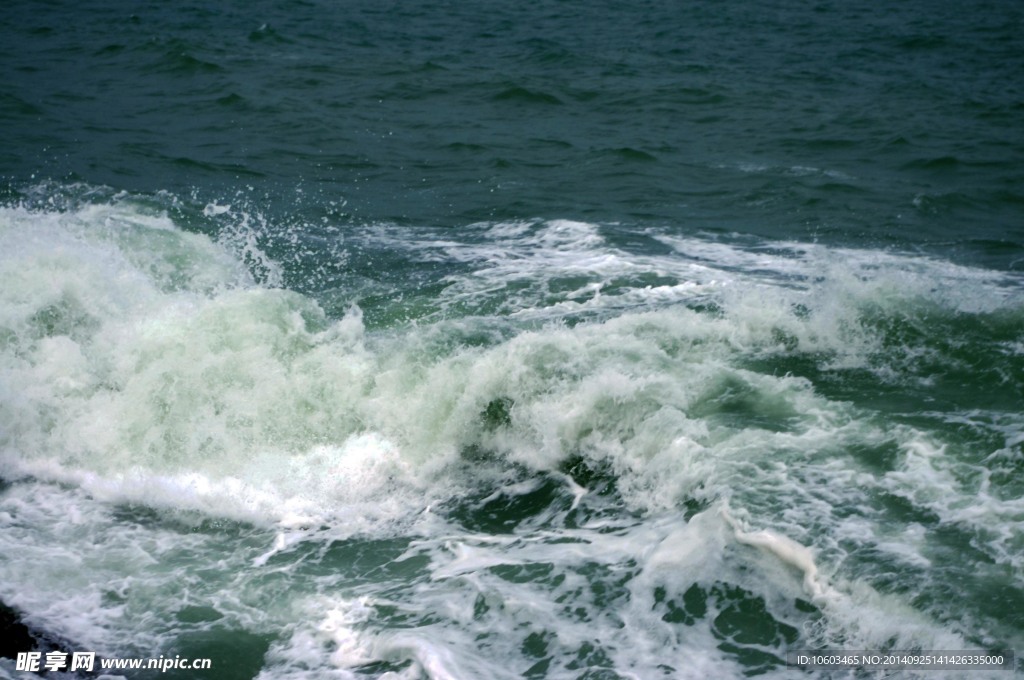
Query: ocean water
(546, 340)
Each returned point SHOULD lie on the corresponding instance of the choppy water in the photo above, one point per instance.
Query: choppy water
(459, 341)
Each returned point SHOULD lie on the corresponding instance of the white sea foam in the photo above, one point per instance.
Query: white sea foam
(960, 495)
(142, 365)
(475, 601)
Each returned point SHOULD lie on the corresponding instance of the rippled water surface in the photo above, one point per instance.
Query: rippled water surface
(550, 340)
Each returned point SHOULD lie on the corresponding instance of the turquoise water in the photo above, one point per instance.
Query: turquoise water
(461, 341)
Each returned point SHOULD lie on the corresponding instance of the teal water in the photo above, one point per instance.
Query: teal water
(449, 340)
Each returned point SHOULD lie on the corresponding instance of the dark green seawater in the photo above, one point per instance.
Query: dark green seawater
(490, 340)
